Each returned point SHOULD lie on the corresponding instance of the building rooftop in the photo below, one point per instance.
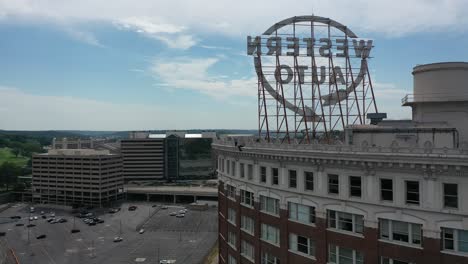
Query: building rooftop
(76, 152)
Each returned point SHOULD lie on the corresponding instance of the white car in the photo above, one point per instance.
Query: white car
(118, 239)
(141, 231)
(167, 261)
(173, 214)
(35, 217)
(31, 218)
(180, 215)
(52, 214)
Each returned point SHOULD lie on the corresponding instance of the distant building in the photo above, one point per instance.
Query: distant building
(143, 158)
(77, 177)
(169, 156)
(72, 143)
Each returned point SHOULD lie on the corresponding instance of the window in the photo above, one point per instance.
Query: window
(249, 171)
(309, 180)
(268, 258)
(222, 165)
(386, 189)
(247, 250)
(263, 174)
(247, 224)
(232, 216)
(301, 244)
(228, 171)
(274, 176)
(400, 231)
(231, 259)
(301, 213)
(270, 233)
(392, 261)
(355, 186)
(451, 195)
(346, 221)
(233, 165)
(247, 198)
(455, 240)
(242, 170)
(341, 255)
(231, 191)
(232, 239)
(333, 183)
(269, 205)
(292, 179)
(412, 192)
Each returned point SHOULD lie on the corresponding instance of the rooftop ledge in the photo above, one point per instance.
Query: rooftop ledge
(251, 144)
(410, 99)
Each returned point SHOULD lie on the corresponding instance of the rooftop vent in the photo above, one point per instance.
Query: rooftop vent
(375, 118)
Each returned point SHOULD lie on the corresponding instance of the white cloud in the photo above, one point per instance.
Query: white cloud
(149, 25)
(193, 74)
(24, 111)
(178, 42)
(214, 47)
(83, 36)
(170, 34)
(242, 17)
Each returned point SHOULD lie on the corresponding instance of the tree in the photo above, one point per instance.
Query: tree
(9, 173)
(16, 151)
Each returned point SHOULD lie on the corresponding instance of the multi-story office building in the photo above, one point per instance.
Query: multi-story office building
(77, 177)
(143, 158)
(391, 193)
(170, 156)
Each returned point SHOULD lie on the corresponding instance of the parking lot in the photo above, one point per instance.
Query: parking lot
(186, 240)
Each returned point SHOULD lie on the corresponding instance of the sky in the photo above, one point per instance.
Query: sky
(182, 64)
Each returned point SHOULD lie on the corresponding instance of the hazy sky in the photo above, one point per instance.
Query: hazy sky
(179, 64)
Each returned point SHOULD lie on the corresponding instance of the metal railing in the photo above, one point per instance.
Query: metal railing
(434, 97)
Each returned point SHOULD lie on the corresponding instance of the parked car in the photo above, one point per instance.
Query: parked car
(164, 207)
(44, 217)
(173, 214)
(141, 231)
(2, 233)
(180, 215)
(31, 225)
(154, 205)
(35, 217)
(132, 208)
(31, 218)
(118, 239)
(19, 224)
(75, 231)
(63, 220)
(42, 212)
(167, 261)
(50, 220)
(41, 236)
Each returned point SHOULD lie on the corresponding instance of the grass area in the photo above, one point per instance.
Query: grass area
(7, 155)
(212, 258)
